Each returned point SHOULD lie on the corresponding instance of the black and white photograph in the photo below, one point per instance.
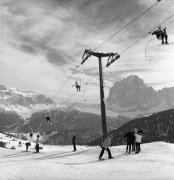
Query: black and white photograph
(86, 89)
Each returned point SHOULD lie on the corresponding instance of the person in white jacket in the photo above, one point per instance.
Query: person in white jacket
(138, 138)
(105, 146)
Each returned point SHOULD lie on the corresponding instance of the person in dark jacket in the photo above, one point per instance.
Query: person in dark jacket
(77, 85)
(37, 144)
(161, 35)
(27, 144)
(48, 119)
(129, 141)
(31, 135)
(74, 142)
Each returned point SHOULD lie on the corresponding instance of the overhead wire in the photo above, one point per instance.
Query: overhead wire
(137, 41)
(124, 27)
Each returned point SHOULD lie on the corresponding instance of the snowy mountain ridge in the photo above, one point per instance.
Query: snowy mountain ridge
(24, 103)
(130, 97)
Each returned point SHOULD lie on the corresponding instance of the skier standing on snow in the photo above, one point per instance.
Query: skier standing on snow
(105, 146)
(27, 144)
(133, 140)
(37, 144)
(129, 141)
(138, 138)
(74, 142)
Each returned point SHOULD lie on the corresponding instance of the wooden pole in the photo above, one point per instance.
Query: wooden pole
(103, 111)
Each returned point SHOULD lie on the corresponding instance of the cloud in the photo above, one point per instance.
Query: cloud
(56, 58)
(28, 49)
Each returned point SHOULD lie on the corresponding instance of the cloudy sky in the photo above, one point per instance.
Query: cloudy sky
(42, 42)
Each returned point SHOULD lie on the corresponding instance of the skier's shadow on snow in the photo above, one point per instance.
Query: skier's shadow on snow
(52, 156)
(62, 154)
(84, 163)
(92, 161)
(18, 154)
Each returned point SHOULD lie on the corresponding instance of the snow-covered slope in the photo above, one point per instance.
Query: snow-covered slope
(155, 162)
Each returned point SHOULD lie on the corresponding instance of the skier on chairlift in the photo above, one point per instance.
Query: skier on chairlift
(161, 35)
(48, 119)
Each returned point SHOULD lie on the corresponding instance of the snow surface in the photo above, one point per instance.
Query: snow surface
(155, 162)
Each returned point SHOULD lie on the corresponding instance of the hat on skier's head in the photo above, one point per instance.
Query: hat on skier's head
(140, 131)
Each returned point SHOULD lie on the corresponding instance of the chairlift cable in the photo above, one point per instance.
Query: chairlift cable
(124, 27)
(137, 41)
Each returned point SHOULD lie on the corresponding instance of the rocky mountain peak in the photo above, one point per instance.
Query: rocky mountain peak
(133, 95)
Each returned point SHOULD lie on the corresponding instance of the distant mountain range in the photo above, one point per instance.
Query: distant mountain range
(25, 111)
(157, 127)
(24, 103)
(132, 97)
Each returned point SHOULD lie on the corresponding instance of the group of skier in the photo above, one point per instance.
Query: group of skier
(133, 141)
(132, 138)
(27, 144)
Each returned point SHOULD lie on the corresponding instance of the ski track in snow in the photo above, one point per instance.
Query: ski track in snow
(155, 162)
